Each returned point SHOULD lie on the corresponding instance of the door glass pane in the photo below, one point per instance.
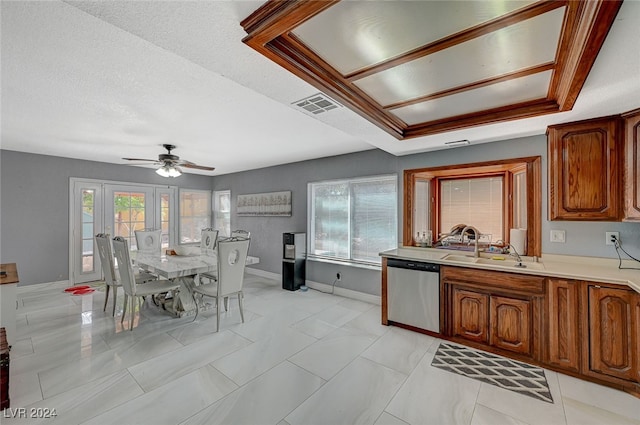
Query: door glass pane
(164, 219)
(128, 215)
(88, 229)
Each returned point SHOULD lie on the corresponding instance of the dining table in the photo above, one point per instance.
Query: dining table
(182, 269)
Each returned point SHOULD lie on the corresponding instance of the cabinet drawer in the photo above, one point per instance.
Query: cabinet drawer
(515, 283)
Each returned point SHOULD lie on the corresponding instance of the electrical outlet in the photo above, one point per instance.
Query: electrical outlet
(609, 237)
(338, 276)
(557, 236)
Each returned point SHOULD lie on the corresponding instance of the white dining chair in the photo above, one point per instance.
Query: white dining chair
(131, 289)
(149, 241)
(208, 244)
(232, 258)
(208, 240)
(111, 279)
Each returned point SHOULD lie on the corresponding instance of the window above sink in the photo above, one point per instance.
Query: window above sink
(508, 190)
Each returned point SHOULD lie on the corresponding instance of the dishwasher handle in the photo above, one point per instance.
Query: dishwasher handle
(413, 265)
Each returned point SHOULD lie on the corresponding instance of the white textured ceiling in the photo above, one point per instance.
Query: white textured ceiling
(105, 80)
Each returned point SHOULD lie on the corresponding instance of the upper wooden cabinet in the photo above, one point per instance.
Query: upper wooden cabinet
(632, 165)
(584, 170)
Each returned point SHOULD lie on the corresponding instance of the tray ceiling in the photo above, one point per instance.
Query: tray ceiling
(435, 66)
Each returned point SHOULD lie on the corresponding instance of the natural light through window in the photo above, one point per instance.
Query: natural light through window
(353, 220)
(476, 202)
(195, 214)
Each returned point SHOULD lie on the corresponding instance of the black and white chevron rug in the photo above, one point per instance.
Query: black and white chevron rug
(493, 369)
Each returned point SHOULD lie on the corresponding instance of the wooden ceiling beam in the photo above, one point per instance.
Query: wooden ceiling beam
(475, 85)
(584, 30)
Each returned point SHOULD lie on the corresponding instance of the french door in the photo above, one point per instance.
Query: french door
(86, 215)
(127, 209)
(118, 209)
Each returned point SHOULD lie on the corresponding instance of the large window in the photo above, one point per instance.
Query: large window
(353, 220)
(195, 214)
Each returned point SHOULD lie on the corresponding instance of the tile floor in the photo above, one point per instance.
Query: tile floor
(300, 358)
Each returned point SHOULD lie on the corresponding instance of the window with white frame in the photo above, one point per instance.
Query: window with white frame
(195, 214)
(222, 212)
(353, 220)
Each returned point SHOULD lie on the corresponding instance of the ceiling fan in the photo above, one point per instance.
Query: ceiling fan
(170, 164)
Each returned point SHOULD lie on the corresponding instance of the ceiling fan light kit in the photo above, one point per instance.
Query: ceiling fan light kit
(169, 171)
(169, 163)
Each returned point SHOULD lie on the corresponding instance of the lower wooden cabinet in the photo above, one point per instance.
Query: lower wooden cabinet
(511, 324)
(614, 340)
(563, 343)
(496, 309)
(471, 315)
(585, 328)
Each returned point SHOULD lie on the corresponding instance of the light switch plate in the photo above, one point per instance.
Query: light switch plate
(557, 236)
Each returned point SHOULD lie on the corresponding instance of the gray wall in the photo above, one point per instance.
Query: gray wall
(266, 232)
(582, 238)
(34, 208)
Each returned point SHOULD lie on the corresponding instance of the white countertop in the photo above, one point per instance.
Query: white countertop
(567, 266)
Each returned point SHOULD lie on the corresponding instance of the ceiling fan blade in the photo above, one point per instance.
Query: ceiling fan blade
(140, 159)
(187, 164)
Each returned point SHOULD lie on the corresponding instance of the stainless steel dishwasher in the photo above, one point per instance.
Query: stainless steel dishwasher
(413, 294)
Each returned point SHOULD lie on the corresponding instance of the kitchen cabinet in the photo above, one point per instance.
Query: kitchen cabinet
(496, 309)
(511, 322)
(585, 174)
(471, 315)
(613, 334)
(632, 165)
(563, 343)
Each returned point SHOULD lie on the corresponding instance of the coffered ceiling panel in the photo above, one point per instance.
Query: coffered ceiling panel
(352, 35)
(425, 67)
(510, 92)
(521, 46)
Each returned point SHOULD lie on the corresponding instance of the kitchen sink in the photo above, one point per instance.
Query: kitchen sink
(461, 258)
(506, 263)
(510, 264)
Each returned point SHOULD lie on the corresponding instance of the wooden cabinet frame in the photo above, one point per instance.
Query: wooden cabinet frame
(505, 167)
(632, 165)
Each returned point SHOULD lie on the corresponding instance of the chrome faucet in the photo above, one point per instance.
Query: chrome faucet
(476, 235)
(515, 254)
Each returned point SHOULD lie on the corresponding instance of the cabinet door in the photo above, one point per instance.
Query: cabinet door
(563, 328)
(470, 315)
(613, 336)
(632, 166)
(511, 324)
(584, 170)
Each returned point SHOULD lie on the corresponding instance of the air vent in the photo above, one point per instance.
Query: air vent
(317, 103)
(457, 143)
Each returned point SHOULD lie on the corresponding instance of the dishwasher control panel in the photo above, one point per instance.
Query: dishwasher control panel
(413, 265)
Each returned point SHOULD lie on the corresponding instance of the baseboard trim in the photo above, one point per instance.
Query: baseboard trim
(263, 273)
(347, 293)
(343, 292)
